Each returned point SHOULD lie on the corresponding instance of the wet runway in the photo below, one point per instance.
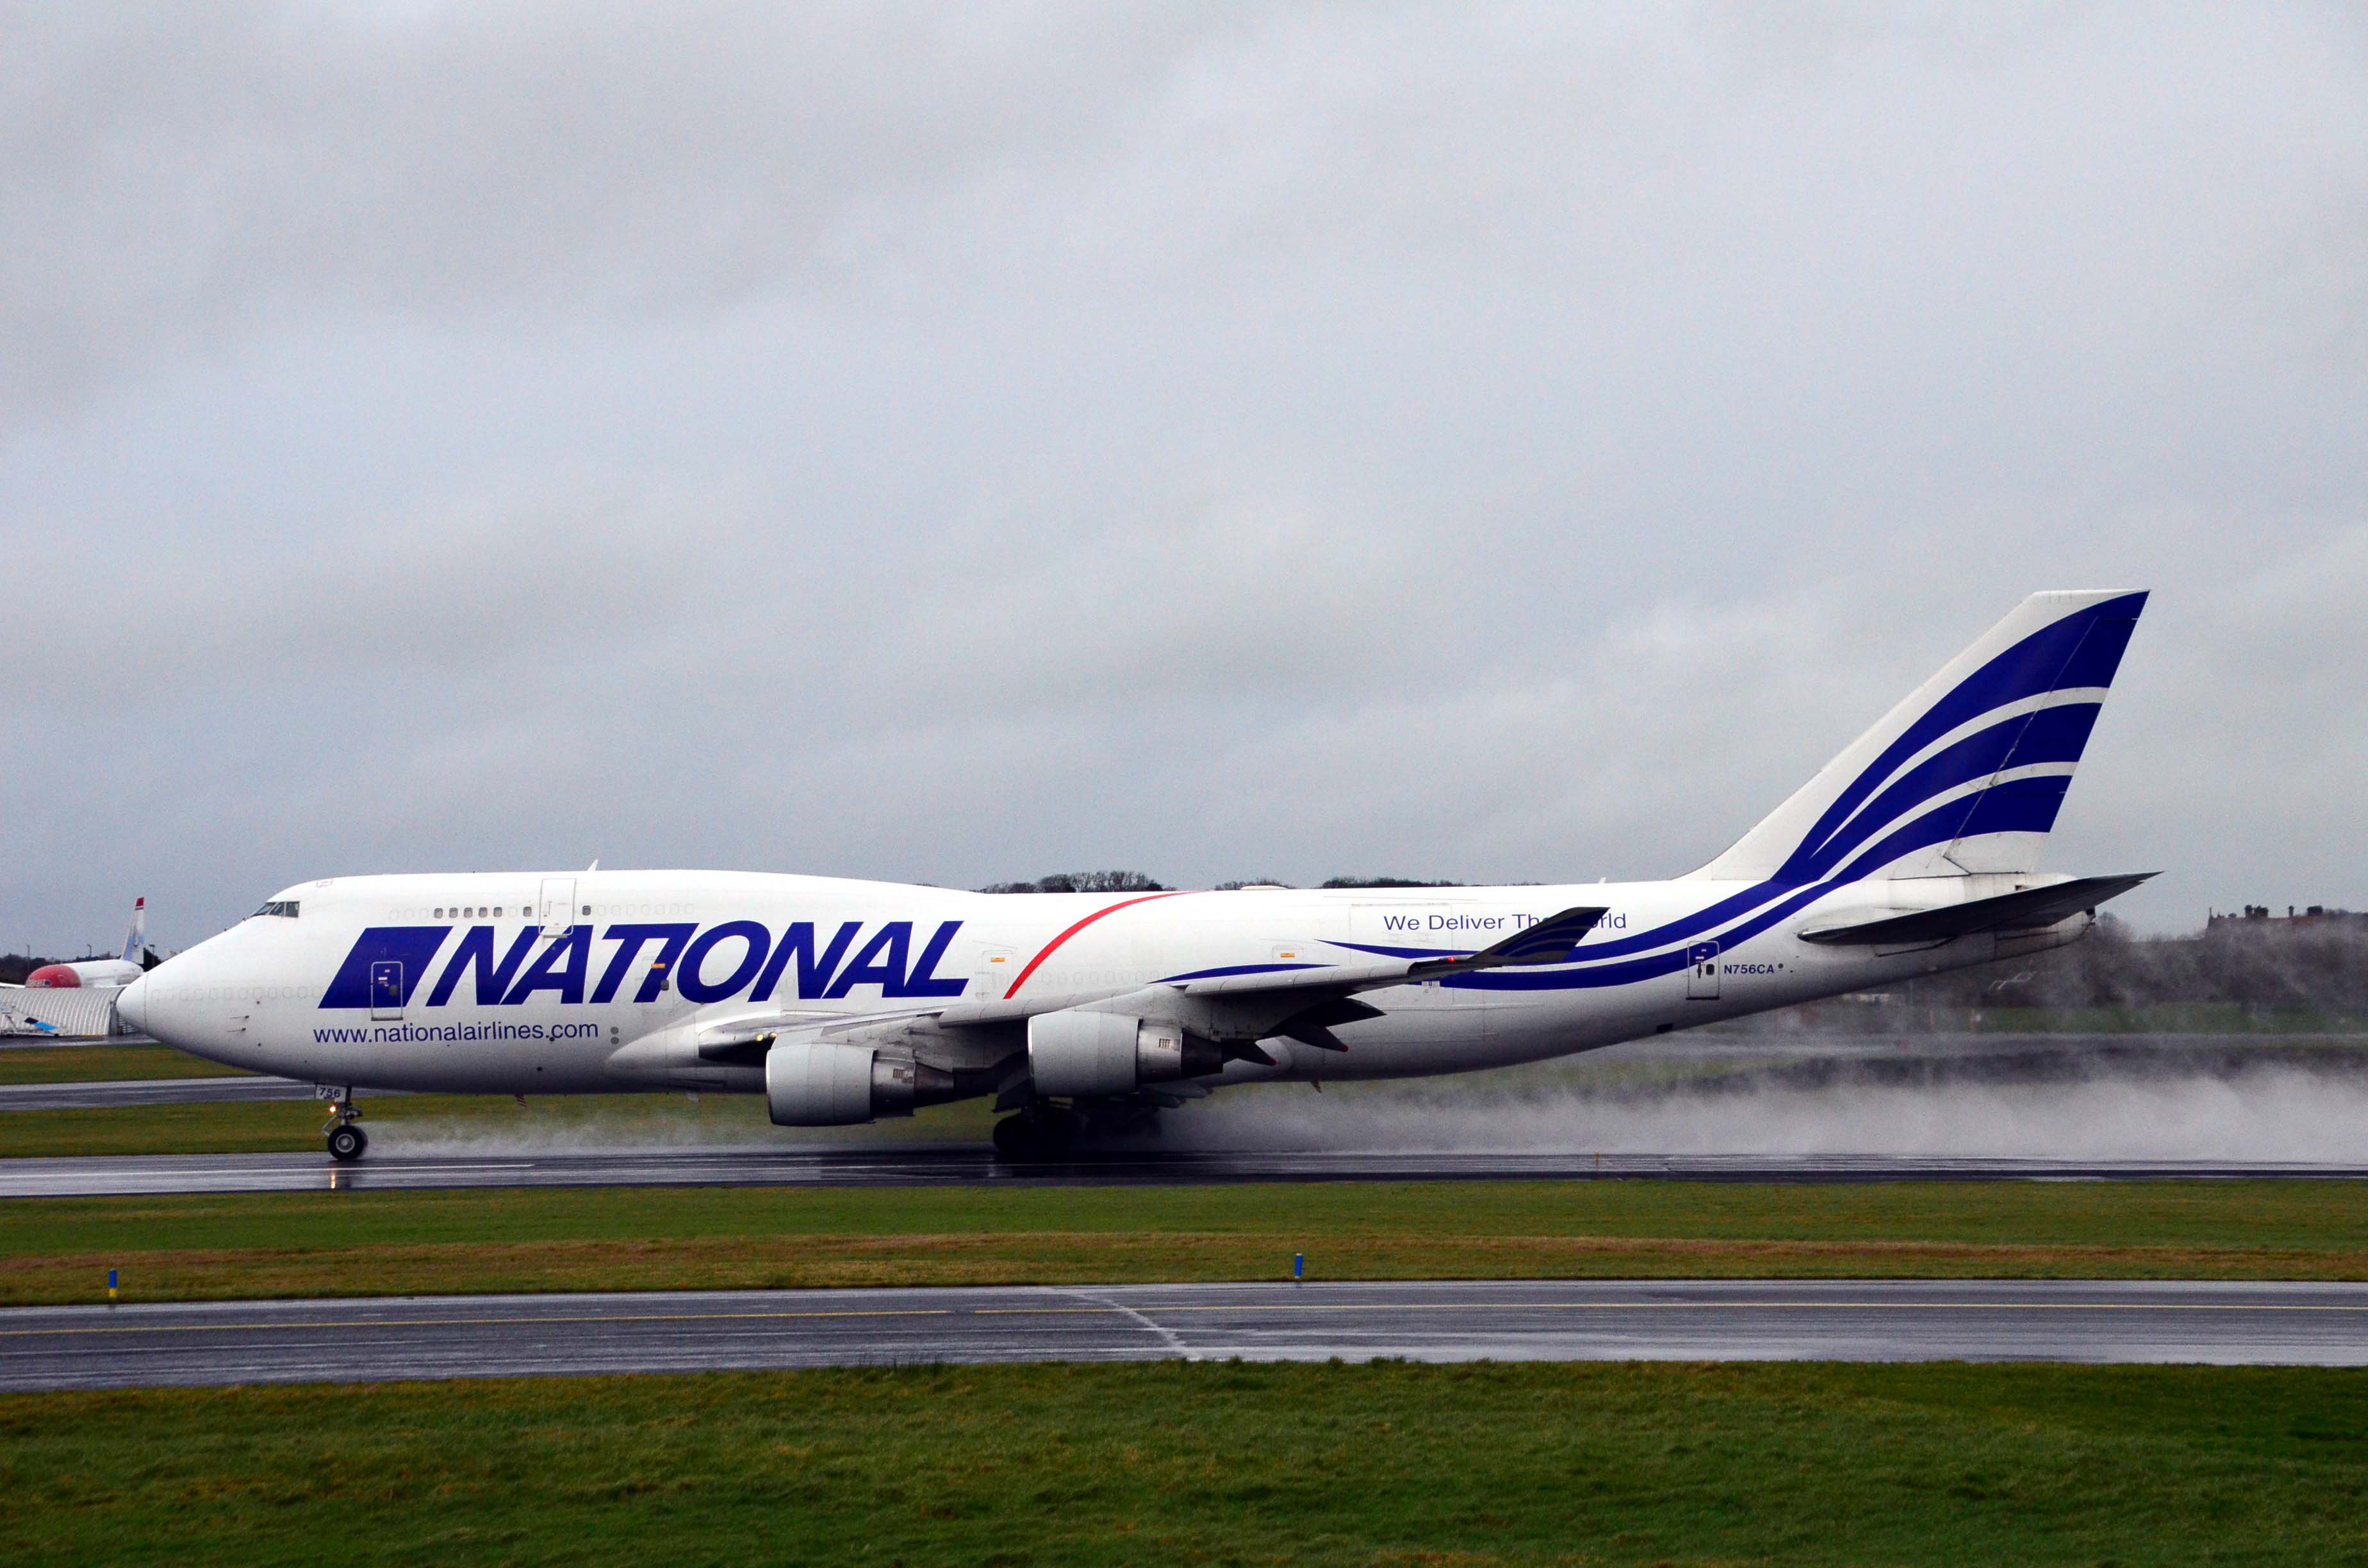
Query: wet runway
(376, 1339)
(931, 1165)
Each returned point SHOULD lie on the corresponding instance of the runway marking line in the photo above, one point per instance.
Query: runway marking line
(1121, 1312)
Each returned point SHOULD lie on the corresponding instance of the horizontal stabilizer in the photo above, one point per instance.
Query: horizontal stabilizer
(2027, 910)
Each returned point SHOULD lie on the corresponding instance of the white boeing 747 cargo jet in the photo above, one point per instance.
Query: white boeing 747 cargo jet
(1914, 851)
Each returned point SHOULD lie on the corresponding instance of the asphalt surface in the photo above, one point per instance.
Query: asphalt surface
(936, 1164)
(378, 1339)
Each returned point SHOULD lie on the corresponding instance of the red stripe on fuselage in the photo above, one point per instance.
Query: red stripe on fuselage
(1055, 942)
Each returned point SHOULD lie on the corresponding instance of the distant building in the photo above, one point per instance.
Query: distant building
(2257, 920)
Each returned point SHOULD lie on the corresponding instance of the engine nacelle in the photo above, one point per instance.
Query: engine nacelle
(1093, 1054)
(808, 1084)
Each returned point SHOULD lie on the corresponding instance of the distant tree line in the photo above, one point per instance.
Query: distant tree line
(15, 967)
(1083, 881)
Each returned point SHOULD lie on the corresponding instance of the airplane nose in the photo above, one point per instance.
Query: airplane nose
(131, 1004)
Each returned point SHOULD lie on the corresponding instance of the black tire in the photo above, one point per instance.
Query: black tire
(347, 1144)
(1042, 1135)
(1055, 1132)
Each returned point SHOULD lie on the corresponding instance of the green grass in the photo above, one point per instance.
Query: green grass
(664, 1238)
(262, 1127)
(1388, 1463)
(104, 1064)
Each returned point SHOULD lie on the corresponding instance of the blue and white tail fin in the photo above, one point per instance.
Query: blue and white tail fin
(1964, 777)
(131, 944)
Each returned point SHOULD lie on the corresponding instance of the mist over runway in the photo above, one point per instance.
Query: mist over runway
(1771, 1106)
(371, 1339)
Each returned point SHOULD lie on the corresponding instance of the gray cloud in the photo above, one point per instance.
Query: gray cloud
(1284, 438)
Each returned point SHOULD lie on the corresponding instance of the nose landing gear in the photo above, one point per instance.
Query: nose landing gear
(347, 1141)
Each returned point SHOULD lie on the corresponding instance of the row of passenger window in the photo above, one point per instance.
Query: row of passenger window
(470, 911)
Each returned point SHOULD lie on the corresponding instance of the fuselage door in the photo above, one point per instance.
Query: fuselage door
(558, 912)
(386, 988)
(1702, 972)
(997, 968)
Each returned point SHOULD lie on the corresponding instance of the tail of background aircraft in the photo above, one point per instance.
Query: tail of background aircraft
(1966, 775)
(132, 944)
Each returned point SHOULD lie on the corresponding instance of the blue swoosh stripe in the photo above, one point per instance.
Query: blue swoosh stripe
(2051, 735)
(1407, 953)
(1235, 969)
(2082, 649)
(2079, 651)
(2022, 805)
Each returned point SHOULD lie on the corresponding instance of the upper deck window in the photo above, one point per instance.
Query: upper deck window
(285, 906)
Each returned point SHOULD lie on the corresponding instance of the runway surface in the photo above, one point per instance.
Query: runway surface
(934, 1165)
(376, 1339)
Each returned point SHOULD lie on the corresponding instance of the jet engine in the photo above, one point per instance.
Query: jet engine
(1092, 1055)
(809, 1085)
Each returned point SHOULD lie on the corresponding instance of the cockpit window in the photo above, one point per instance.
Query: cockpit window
(283, 907)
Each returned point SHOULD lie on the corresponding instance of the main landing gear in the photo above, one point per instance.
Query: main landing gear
(1039, 1132)
(347, 1139)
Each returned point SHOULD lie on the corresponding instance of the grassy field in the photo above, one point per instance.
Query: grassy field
(259, 1127)
(1232, 1463)
(104, 1064)
(251, 1126)
(54, 1250)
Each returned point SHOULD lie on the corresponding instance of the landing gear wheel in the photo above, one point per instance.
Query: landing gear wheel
(347, 1143)
(1035, 1135)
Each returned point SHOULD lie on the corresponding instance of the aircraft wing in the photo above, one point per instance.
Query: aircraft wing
(1304, 1004)
(1235, 1009)
(1550, 941)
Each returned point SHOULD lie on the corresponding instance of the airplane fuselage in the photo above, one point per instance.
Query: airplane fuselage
(606, 981)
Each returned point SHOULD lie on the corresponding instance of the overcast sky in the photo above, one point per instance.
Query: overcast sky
(956, 443)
